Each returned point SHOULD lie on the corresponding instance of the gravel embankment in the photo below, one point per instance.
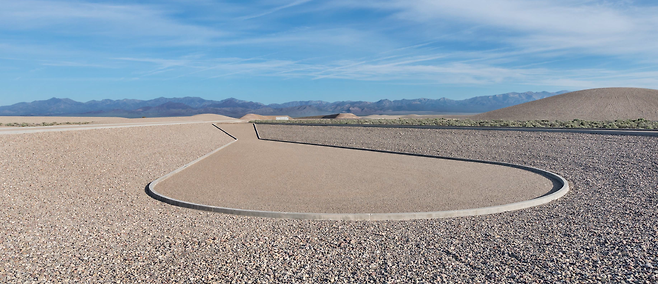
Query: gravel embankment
(73, 208)
(598, 104)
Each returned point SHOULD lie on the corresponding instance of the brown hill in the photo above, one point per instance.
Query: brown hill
(346, 116)
(418, 116)
(592, 104)
(341, 116)
(252, 116)
(332, 116)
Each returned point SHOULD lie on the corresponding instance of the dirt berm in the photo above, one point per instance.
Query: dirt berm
(592, 104)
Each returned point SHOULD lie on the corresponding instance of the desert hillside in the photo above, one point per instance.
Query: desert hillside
(331, 116)
(252, 116)
(592, 104)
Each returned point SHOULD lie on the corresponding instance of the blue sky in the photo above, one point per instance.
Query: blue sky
(284, 50)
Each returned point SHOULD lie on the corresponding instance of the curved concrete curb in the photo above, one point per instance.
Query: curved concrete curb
(561, 190)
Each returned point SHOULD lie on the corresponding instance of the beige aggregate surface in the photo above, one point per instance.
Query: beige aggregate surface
(273, 176)
(109, 120)
(73, 209)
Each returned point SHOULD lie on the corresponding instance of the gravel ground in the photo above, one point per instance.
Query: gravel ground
(605, 229)
(108, 120)
(74, 209)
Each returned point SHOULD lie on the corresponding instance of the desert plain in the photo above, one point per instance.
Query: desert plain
(74, 209)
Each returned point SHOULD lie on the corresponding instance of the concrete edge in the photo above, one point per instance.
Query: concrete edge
(550, 196)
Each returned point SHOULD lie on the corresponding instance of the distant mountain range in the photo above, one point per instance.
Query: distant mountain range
(236, 108)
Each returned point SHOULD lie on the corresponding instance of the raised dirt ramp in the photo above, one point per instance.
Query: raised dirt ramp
(272, 179)
(593, 104)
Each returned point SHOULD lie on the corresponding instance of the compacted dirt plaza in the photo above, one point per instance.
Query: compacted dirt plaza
(262, 175)
(74, 207)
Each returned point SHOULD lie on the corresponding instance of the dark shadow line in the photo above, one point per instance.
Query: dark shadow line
(150, 193)
(178, 203)
(229, 134)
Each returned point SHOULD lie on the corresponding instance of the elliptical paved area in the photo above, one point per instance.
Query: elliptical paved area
(73, 209)
(274, 176)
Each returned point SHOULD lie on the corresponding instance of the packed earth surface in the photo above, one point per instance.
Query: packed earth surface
(74, 208)
(330, 183)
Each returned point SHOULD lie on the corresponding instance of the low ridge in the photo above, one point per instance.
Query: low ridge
(345, 115)
(592, 104)
(252, 116)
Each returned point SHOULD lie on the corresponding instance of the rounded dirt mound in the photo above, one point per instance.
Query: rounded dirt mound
(337, 116)
(210, 116)
(592, 104)
(346, 116)
(252, 116)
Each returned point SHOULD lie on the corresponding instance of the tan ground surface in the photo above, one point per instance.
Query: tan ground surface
(109, 120)
(593, 104)
(274, 176)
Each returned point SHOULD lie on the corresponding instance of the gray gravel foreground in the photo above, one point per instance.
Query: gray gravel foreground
(606, 229)
(74, 210)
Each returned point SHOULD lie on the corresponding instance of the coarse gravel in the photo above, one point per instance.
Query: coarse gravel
(74, 210)
(605, 229)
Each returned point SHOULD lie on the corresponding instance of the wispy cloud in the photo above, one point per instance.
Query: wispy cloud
(163, 63)
(410, 69)
(74, 64)
(486, 43)
(70, 18)
(591, 26)
(291, 4)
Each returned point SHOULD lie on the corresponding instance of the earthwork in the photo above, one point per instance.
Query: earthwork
(272, 179)
(74, 208)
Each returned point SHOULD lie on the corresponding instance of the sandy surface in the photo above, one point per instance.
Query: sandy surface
(593, 104)
(273, 176)
(73, 208)
(109, 120)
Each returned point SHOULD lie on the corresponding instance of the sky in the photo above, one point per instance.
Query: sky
(288, 50)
